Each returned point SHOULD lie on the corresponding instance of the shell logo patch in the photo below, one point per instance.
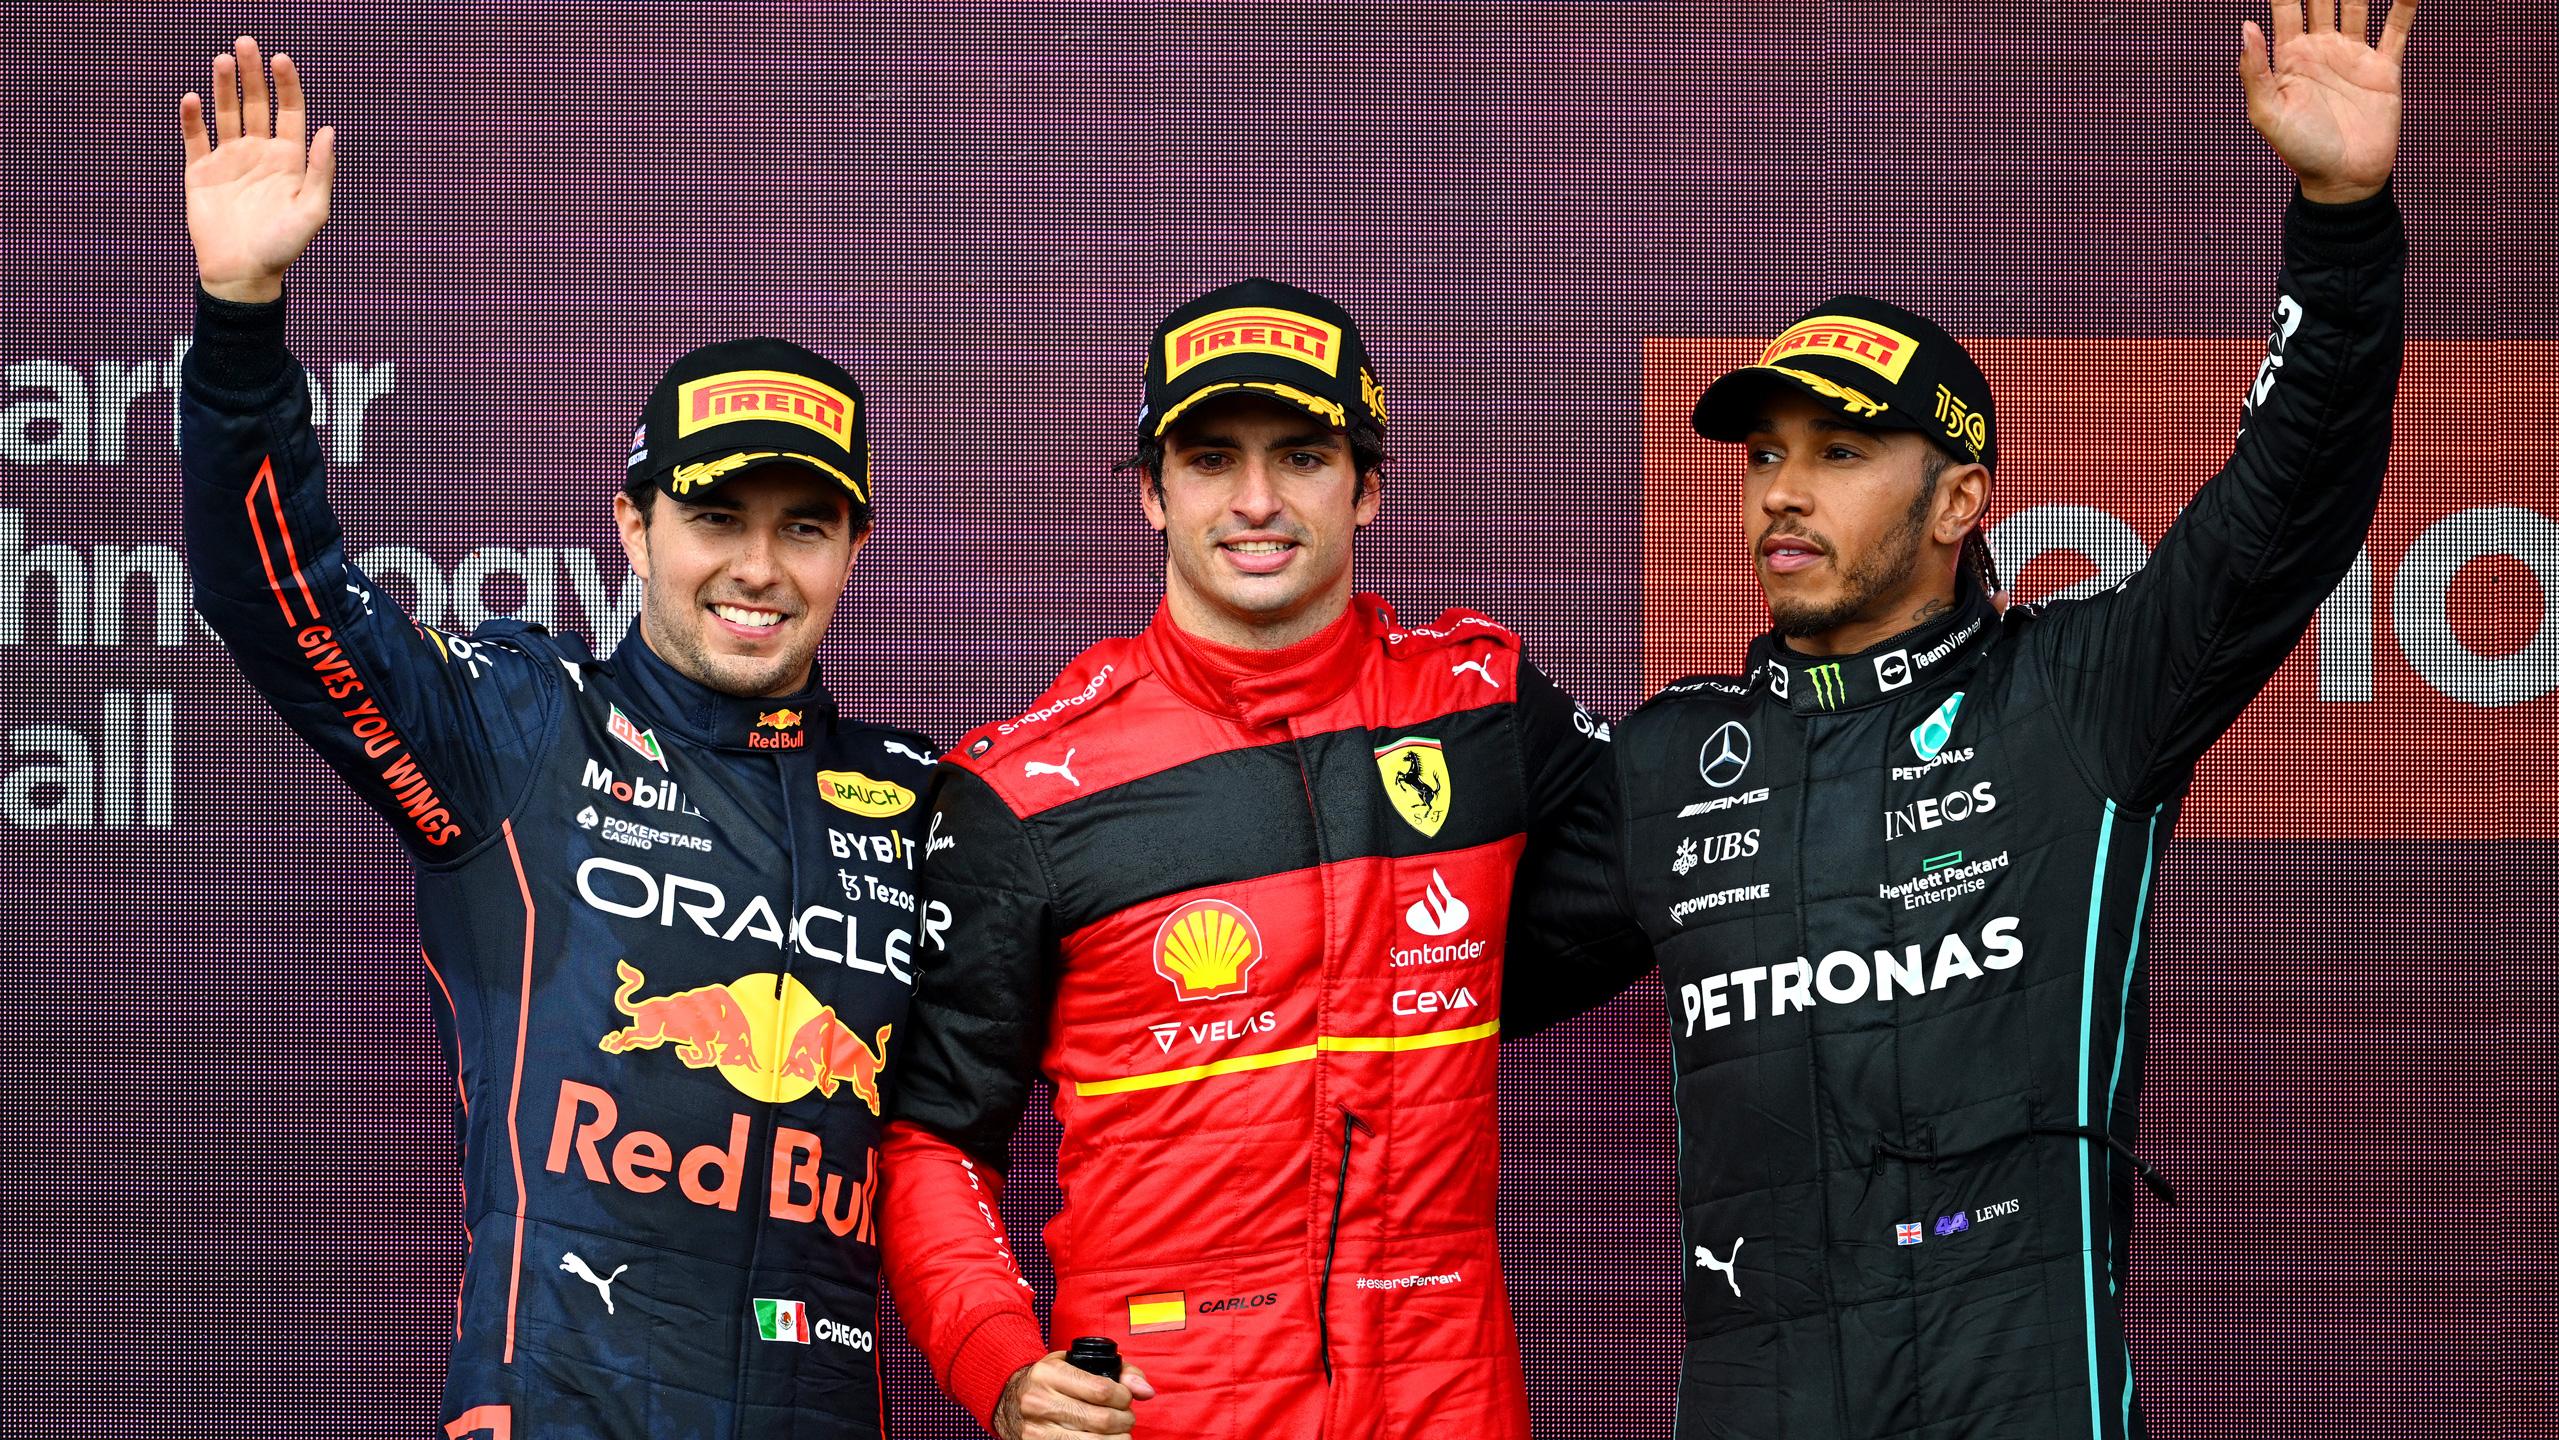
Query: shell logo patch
(852, 790)
(1208, 949)
(1415, 772)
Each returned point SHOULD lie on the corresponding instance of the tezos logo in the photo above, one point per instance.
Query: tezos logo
(1937, 729)
(1725, 755)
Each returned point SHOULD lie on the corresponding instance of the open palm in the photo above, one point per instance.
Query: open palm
(255, 199)
(2325, 100)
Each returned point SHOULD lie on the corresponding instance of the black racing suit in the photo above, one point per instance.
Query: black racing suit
(1899, 900)
(668, 935)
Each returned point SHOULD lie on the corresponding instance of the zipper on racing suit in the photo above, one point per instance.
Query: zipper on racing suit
(1332, 1237)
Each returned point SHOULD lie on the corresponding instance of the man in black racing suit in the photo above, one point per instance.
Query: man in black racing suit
(664, 899)
(1897, 872)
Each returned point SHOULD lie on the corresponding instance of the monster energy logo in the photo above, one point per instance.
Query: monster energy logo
(1827, 687)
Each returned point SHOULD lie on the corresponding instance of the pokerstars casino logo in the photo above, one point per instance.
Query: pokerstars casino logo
(1208, 949)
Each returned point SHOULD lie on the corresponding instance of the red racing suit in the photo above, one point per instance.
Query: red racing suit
(1251, 915)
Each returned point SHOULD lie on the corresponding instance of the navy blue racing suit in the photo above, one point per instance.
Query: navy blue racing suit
(668, 932)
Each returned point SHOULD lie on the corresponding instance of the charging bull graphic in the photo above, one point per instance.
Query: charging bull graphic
(735, 1028)
(706, 1026)
(827, 1053)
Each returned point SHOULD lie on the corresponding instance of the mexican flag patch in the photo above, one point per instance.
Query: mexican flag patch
(782, 1320)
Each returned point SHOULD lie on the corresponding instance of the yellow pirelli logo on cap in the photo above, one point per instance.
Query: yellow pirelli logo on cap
(764, 395)
(1164, 1310)
(1253, 330)
(1879, 348)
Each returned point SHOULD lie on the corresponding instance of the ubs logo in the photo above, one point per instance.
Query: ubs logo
(1725, 756)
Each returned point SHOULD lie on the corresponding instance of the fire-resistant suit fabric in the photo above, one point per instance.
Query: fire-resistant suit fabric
(1899, 899)
(1252, 920)
(666, 933)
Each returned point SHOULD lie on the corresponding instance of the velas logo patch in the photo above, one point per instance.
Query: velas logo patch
(1253, 330)
(1879, 348)
(852, 790)
(1208, 949)
(764, 395)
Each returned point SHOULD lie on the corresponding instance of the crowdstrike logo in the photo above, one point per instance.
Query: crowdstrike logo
(1439, 911)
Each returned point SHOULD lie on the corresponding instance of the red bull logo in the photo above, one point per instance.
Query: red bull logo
(779, 719)
(765, 1033)
(827, 1053)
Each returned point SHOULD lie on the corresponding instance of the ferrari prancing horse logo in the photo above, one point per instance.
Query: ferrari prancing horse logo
(1416, 777)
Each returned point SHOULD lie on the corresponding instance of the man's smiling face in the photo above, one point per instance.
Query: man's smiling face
(1258, 503)
(737, 586)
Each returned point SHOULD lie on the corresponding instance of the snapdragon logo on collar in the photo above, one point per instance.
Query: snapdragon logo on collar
(1933, 733)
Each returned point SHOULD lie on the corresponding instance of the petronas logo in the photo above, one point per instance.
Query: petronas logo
(1827, 686)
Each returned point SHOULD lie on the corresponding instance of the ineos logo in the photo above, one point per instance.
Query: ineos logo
(1725, 756)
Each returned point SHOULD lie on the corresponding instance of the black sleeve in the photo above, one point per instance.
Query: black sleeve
(2158, 668)
(984, 974)
(437, 733)
(1573, 942)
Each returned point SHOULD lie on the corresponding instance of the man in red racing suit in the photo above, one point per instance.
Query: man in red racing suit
(1242, 887)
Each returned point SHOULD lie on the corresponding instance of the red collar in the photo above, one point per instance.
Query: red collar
(1265, 687)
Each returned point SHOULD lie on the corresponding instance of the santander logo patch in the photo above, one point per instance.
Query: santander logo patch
(1439, 911)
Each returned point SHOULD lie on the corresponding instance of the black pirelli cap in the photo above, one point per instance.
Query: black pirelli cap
(1268, 338)
(1872, 361)
(725, 409)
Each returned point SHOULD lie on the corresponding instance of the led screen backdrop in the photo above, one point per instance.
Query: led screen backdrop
(226, 1164)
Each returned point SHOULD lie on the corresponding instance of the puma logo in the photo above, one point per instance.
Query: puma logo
(907, 751)
(1480, 667)
(1031, 768)
(1707, 1258)
(604, 1287)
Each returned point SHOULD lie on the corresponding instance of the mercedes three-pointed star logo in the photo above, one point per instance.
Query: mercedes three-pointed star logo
(1726, 755)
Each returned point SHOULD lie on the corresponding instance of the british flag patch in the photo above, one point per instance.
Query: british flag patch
(1907, 1234)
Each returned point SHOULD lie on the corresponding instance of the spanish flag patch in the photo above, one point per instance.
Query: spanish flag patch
(1164, 1310)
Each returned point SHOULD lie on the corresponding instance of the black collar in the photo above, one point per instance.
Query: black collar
(705, 716)
(1823, 684)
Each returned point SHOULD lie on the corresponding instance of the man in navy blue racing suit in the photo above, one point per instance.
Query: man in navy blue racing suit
(665, 897)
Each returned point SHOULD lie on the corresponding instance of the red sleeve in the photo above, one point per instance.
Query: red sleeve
(945, 1256)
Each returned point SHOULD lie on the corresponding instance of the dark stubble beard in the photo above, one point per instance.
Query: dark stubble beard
(1886, 569)
(681, 647)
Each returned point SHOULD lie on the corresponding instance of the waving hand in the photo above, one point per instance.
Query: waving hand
(2325, 100)
(254, 200)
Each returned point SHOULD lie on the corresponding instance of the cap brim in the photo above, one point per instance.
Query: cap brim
(706, 476)
(1730, 407)
(1317, 406)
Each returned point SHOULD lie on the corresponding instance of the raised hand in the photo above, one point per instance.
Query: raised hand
(254, 200)
(2326, 101)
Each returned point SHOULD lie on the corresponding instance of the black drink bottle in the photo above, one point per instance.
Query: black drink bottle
(1096, 1354)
